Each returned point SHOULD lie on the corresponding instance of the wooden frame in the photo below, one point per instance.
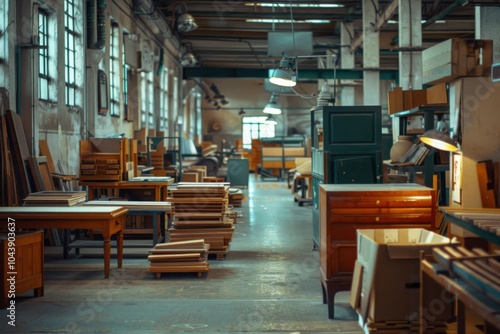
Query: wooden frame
(40, 171)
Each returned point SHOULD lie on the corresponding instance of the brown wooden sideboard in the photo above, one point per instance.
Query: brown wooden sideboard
(344, 208)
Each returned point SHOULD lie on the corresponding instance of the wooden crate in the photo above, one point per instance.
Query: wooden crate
(455, 58)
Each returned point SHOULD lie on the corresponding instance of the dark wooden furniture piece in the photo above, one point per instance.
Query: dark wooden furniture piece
(346, 208)
(110, 220)
(27, 267)
(341, 155)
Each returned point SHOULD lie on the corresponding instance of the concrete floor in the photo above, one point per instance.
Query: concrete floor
(269, 282)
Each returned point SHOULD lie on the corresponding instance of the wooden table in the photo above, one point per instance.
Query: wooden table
(111, 220)
(157, 210)
(159, 187)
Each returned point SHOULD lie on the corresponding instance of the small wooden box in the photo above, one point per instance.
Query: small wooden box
(28, 264)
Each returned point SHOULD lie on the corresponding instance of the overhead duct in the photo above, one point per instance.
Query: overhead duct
(143, 7)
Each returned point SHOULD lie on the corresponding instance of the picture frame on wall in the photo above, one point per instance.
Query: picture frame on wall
(456, 172)
(102, 93)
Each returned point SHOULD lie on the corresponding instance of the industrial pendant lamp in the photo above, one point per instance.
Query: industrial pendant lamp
(284, 75)
(273, 107)
(440, 140)
(187, 56)
(184, 22)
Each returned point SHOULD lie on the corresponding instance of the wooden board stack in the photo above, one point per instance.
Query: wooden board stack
(393, 327)
(55, 198)
(199, 211)
(179, 257)
(235, 197)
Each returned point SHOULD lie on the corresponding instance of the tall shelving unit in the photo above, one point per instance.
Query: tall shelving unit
(429, 168)
(346, 148)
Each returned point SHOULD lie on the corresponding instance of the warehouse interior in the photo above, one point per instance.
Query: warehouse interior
(249, 167)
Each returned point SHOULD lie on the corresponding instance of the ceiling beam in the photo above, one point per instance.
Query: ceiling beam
(309, 73)
(381, 20)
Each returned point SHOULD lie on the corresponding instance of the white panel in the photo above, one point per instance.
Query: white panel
(279, 42)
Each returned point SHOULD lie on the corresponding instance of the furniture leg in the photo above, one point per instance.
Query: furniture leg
(39, 292)
(156, 219)
(460, 317)
(119, 248)
(107, 253)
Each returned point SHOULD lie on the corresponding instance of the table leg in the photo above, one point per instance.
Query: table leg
(119, 248)
(460, 317)
(107, 253)
(156, 218)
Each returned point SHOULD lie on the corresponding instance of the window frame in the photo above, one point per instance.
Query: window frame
(70, 52)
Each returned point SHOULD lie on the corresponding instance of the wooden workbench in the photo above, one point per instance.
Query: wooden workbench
(159, 187)
(111, 220)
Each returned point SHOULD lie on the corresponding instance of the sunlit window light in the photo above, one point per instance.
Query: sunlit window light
(301, 5)
(287, 21)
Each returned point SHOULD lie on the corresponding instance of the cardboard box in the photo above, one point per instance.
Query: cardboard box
(388, 285)
(400, 100)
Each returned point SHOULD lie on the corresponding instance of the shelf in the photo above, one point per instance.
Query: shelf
(414, 169)
(436, 109)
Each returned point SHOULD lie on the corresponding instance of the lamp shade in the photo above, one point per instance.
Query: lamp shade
(186, 23)
(273, 107)
(439, 140)
(284, 75)
(283, 78)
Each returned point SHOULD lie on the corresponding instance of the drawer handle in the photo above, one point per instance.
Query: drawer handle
(378, 202)
(377, 219)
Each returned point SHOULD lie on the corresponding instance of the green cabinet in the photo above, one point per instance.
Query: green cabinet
(346, 148)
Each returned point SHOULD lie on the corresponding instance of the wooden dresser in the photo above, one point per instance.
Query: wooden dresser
(344, 208)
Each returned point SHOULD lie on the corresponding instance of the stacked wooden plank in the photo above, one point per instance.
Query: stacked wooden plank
(235, 197)
(55, 198)
(179, 257)
(199, 211)
(407, 327)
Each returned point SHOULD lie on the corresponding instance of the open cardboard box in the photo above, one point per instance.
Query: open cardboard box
(386, 282)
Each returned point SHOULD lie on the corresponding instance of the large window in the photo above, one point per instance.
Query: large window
(43, 56)
(164, 101)
(4, 41)
(114, 70)
(147, 100)
(256, 127)
(70, 37)
(125, 84)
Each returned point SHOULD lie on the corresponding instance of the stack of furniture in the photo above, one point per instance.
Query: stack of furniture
(346, 208)
(341, 155)
(179, 257)
(255, 155)
(199, 211)
(108, 159)
(279, 153)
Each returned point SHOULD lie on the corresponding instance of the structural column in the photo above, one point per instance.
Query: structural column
(410, 44)
(371, 54)
(487, 24)
(348, 91)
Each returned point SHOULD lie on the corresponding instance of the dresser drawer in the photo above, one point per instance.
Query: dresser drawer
(380, 201)
(382, 215)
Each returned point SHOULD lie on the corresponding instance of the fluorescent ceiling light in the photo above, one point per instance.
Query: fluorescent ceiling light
(422, 21)
(287, 21)
(301, 5)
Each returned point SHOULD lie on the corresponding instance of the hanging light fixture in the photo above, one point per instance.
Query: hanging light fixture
(184, 22)
(285, 74)
(187, 56)
(242, 112)
(271, 120)
(273, 107)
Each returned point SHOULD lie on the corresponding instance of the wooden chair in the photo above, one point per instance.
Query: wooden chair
(61, 181)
